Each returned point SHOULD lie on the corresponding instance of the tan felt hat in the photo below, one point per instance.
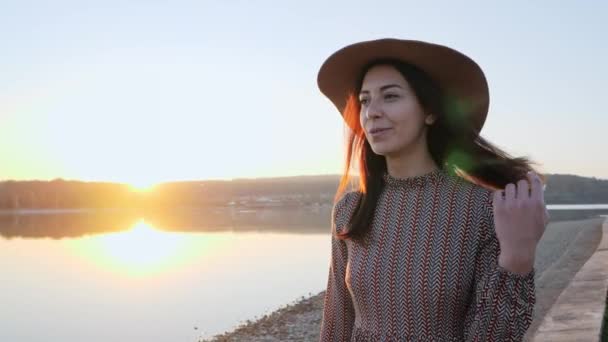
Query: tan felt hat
(462, 81)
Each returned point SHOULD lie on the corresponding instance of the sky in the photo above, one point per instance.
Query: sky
(152, 91)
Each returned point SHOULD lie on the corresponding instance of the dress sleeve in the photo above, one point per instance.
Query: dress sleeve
(503, 302)
(338, 311)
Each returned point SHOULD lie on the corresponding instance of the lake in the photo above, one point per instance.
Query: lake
(166, 276)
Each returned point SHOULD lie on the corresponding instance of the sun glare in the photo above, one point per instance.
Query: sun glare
(142, 247)
(142, 186)
(144, 250)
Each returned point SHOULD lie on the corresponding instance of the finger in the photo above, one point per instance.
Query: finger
(510, 192)
(498, 196)
(537, 186)
(523, 189)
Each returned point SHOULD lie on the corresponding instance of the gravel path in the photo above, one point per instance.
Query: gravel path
(564, 248)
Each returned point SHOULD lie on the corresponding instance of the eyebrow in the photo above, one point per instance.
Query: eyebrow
(382, 88)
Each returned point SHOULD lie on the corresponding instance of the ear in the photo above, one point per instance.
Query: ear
(430, 119)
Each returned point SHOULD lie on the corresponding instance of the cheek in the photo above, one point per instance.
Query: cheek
(407, 117)
(407, 129)
(362, 120)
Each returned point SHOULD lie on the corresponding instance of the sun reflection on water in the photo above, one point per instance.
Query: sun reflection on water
(145, 250)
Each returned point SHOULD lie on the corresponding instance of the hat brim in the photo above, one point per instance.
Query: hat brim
(461, 80)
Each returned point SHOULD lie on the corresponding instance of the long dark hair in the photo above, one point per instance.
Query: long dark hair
(453, 142)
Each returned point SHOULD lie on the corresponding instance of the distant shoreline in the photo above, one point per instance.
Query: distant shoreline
(43, 211)
(285, 192)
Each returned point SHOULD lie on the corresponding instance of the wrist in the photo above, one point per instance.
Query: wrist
(517, 253)
(519, 264)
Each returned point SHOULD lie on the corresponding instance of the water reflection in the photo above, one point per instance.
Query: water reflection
(145, 284)
(78, 223)
(144, 250)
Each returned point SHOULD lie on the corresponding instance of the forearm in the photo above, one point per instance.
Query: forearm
(503, 307)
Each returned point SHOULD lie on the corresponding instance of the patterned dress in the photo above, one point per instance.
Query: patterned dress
(428, 271)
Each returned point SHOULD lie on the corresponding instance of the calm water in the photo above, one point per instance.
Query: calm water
(176, 276)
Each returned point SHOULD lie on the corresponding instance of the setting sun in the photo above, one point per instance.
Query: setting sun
(142, 186)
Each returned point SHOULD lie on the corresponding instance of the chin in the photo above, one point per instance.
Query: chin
(383, 149)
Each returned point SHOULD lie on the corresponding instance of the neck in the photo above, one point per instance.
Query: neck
(405, 165)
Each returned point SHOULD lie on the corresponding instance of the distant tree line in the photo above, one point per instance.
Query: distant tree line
(572, 189)
(63, 194)
(60, 194)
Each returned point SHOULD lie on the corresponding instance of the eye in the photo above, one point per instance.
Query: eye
(363, 101)
(390, 96)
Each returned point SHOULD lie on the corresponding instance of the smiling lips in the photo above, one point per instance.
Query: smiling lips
(376, 132)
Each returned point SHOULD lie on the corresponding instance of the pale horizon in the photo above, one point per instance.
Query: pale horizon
(147, 93)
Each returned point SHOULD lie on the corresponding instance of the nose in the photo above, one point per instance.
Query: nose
(373, 110)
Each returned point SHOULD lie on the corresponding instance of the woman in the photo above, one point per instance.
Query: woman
(437, 241)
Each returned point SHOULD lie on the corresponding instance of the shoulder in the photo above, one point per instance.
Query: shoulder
(344, 208)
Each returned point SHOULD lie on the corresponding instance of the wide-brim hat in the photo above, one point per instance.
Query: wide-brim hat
(461, 80)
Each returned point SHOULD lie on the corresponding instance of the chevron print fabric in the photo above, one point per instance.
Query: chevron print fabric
(427, 271)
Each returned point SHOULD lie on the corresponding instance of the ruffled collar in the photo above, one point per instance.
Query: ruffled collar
(420, 180)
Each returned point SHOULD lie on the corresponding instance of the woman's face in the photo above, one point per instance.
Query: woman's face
(391, 117)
